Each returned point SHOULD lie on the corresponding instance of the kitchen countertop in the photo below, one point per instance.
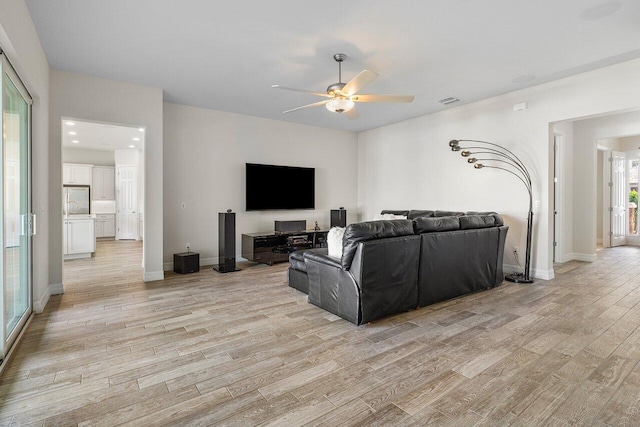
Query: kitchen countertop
(89, 216)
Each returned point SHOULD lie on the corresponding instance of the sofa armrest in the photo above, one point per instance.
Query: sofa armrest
(323, 259)
(332, 288)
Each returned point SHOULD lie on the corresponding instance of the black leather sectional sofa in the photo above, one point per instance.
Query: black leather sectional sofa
(393, 266)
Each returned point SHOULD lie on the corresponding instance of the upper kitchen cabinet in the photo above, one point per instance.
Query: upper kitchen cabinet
(104, 183)
(76, 174)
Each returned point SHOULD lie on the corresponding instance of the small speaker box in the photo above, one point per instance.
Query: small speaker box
(186, 262)
(290, 226)
(338, 218)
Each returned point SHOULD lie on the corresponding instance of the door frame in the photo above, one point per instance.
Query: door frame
(606, 195)
(558, 198)
(625, 198)
(29, 220)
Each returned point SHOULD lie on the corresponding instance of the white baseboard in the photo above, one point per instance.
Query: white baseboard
(77, 256)
(580, 257)
(56, 289)
(41, 303)
(535, 272)
(152, 276)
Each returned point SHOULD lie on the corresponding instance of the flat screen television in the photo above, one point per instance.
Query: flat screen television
(271, 187)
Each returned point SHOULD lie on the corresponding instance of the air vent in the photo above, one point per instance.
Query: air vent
(449, 100)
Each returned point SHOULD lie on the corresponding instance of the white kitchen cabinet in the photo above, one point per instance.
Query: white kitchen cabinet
(104, 183)
(76, 174)
(105, 225)
(78, 238)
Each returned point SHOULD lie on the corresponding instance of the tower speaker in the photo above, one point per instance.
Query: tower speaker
(338, 218)
(226, 242)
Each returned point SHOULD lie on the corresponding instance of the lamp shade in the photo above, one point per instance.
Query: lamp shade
(340, 105)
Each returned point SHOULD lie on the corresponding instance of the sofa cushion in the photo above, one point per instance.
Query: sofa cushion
(413, 214)
(447, 213)
(432, 224)
(334, 241)
(363, 231)
(498, 218)
(296, 259)
(469, 222)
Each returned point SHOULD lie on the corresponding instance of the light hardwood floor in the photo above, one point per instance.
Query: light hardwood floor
(245, 349)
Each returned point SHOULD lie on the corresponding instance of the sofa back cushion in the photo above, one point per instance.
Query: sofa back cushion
(363, 231)
(447, 213)
(469, 222)
(432, 224)
(496, 216)
(413, 214)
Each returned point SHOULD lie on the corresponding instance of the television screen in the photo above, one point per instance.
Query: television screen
(272, 187)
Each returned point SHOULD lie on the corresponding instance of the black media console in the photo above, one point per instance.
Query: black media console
(269, 247)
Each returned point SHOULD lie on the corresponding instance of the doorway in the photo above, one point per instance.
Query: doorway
(106, 160)
(18, 223)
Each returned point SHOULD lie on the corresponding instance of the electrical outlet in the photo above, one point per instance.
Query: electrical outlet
(188, 246)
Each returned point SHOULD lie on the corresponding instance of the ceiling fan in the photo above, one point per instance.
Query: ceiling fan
(343, 96)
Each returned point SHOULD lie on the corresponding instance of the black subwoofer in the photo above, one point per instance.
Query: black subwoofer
(226, 242)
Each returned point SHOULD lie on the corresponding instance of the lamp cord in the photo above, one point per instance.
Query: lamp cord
(517, 257)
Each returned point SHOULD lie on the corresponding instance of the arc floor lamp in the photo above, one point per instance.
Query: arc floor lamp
(498, 157)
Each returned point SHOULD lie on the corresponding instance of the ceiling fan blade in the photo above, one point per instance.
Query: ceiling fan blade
(382, 98)
(358, 82)
(352, 114)
(315, 104)
(326, 95)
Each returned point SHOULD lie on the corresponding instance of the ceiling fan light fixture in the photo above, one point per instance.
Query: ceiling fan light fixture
(340, 105)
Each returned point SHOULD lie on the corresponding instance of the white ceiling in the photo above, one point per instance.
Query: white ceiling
(100, 136)
(225, 55)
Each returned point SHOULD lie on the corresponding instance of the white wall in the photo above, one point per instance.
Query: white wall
(93, 157)
(19, 40)
(205, 152)
(409, 164)
(102, 100)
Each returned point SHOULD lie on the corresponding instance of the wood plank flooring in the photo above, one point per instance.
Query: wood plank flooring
(245, 349)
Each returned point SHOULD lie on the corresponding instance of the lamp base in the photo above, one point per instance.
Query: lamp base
(517, 278)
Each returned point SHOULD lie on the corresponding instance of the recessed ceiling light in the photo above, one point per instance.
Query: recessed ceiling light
(600, 11)
(132, 146)
(70, 123)
(73, 133)
(136, 139)
(75, 141)
(141, 129)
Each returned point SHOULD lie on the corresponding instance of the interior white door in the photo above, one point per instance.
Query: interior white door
(618, 199)
(127, 203)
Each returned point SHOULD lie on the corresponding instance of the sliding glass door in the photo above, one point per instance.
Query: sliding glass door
(17, 221)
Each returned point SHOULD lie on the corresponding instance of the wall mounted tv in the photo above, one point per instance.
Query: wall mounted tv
(271, 187)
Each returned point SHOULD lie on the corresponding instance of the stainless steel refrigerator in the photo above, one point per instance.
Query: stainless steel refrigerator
(76, 200)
